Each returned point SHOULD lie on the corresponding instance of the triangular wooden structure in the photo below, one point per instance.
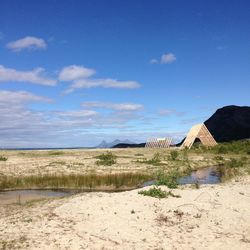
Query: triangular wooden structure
(201, 132)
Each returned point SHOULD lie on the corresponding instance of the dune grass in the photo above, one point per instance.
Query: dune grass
(89, 181)
(106, 159)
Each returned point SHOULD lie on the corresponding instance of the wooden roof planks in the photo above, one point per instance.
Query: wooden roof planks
(201, 132)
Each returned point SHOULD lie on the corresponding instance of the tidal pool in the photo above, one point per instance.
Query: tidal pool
(23, 196)
(209, 175)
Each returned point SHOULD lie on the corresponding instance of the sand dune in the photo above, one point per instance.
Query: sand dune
(212, 217)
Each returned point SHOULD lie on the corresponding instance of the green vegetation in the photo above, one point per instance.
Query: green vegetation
(169, 179)
(3, 158)
(75, 181)
(173, 155)
(156, 160)
(158, 193)
(154, 192)
(236, 163)
(139, 154)
(235, 147)
(106, 159)
(55, 153)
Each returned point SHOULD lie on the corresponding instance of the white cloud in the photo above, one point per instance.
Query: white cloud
(28, 42)
(153, 61)
(34, 76)
(74, 72)
(114, 106)
(77, 113)
(167, 112)
(81, 78)
(104, 83)
(20, 97)
(168, 58)
(165, 58)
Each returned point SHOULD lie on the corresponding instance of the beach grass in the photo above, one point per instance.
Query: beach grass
(88, 181)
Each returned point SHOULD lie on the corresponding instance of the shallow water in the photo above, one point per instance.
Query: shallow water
(23, 196)
(209, 175)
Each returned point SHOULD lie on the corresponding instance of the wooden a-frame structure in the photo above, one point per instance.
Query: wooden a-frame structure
(201, 132)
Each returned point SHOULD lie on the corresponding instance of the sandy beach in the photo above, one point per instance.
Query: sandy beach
(212, 217)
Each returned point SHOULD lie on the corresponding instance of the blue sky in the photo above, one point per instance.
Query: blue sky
(73, 73)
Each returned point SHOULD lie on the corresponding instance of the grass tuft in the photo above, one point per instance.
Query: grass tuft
(106, 159)
(156, 160)
(157, 192)
(154, 192)
(173, 155)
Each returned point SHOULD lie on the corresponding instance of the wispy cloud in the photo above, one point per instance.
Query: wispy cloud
(20, 97)
(74, 72)
(165, 59)
(28, 42)
(104, 83)
(167, 112)
(114, 106)
(168, 58)
(35, 76)
(153, 61)
(77, 113)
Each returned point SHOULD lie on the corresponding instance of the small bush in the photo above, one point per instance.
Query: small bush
(235, 163)
(221, 149)
(169, 180)
(3, 158)
(158, 193)
(154, 192)
(107, 159)
(173, 155)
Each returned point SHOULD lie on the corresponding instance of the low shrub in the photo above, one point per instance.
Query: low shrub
(157, 192)
(3, 158)
(106, 159)
(169, 180)
(154, 192)
(174, 155)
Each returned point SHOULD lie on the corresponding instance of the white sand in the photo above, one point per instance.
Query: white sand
(212, 217)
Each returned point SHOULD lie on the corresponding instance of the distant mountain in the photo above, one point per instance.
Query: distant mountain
(230, 123)
(105, 144)
(129, 145)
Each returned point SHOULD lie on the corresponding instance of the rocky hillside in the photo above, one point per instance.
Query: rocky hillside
(230, 123)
